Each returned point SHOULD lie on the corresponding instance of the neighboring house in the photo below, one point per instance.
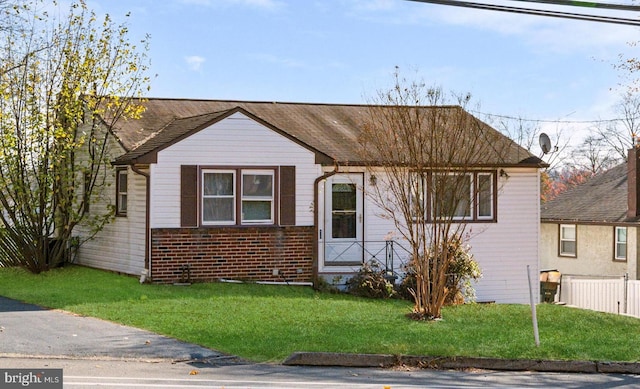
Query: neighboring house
(274, 192)
(592, 229)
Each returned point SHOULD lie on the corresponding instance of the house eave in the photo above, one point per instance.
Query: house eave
(628, 222)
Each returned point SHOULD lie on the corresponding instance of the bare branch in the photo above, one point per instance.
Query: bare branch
(432, 160)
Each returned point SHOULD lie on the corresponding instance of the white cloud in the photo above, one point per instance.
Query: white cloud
(194, 62)
(285, 62)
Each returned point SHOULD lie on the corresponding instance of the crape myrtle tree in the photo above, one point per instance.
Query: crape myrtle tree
(423, 153)
(65, 78)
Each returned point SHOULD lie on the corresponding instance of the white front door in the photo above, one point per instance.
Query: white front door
(343, 220)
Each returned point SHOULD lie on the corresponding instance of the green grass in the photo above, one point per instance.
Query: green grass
(268, 323)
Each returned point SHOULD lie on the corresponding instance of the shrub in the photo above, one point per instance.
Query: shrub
(322, 285)
(370, 281)
(463, 269)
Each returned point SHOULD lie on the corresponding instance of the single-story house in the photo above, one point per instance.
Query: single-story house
(592, 229)
(266, 191)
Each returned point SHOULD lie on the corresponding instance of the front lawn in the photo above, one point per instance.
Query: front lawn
(268, 323)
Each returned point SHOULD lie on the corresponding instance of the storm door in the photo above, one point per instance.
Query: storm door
(343, 222)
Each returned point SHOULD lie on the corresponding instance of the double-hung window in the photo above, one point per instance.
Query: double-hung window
(484, 196)
(121, 192)
(568, 240)
(620, 251)
(219, 197)
(257, 196)
(244, 195)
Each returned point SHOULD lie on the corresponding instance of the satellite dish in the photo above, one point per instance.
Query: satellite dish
(545, 143)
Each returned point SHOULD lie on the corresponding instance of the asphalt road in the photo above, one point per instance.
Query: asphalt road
(164, 374)
(28, 330)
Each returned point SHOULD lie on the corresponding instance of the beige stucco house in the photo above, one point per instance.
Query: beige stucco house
(592, 229)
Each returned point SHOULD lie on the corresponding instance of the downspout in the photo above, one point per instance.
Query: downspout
(316, 219)
(147, 235)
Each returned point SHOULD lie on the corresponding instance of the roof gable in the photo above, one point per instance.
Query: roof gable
(331, 131)
(180, 128)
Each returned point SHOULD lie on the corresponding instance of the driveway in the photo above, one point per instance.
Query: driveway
(29, 330)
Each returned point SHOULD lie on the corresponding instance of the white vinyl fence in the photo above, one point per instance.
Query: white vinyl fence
(614, 295)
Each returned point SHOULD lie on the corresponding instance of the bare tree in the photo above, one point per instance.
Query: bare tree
(594, 156)
(425, 154)
(526, 133)
(616, 137)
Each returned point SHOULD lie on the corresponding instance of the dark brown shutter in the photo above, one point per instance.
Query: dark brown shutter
(188, 196)
(287, 195)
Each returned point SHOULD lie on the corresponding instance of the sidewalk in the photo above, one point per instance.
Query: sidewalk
(460, 363)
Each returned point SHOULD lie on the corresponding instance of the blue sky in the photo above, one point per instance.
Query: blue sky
(343, 51)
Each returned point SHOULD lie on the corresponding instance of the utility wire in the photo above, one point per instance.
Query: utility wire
(557, 121)
(537, 12)
(586, 4)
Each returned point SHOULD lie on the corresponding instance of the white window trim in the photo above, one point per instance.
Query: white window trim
(491, 198)
(616, 255)
(238, 197)
(561, 239)
(271, 199)
(203, 196)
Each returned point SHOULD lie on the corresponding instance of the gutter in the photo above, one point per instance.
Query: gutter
(147, 235)
(316, 218)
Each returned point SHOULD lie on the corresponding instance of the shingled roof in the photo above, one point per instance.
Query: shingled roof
(600, 199)
(329, 130)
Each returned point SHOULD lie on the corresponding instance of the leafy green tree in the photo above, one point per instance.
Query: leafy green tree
(65, 78)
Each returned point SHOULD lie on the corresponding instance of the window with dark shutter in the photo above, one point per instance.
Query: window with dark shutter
(255, 205)
(188, 196)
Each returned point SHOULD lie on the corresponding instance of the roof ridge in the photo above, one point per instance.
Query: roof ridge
(175, 118)
(153, 134)
(607, 175)
(294, 102)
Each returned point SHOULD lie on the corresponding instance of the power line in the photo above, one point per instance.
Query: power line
(557, 121)
(565, 15)
(537, 12)
(586, 4)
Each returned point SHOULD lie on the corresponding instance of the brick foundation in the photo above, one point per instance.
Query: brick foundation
(239, 253)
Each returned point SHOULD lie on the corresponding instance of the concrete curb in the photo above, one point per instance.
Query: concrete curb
(459, 363)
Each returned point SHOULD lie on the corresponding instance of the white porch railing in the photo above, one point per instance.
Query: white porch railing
(614, 295)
